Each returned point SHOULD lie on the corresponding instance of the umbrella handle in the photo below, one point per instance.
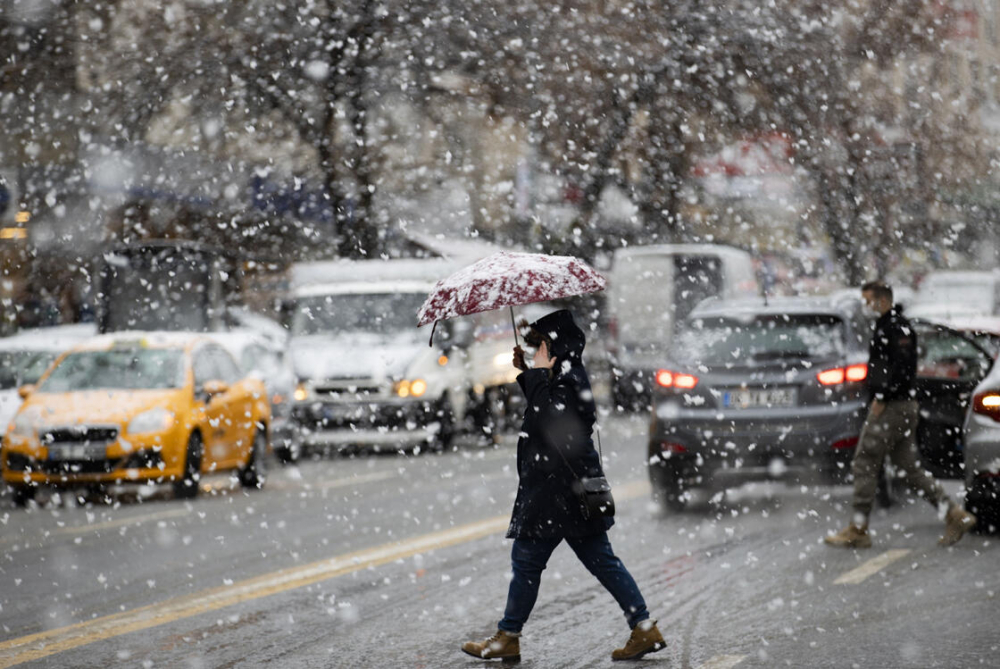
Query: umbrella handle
(514, 325)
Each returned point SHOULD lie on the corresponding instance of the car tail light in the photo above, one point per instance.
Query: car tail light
(855, 373)
(672, 447)
(831, 377)
(987, 404)
(850, 442)
(838, 375)
(668, 379)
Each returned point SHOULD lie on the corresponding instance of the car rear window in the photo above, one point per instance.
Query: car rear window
(121, 369)
(761, 339)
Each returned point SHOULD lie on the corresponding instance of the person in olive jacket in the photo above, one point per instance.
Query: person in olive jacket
(555, 449)
(890, 430)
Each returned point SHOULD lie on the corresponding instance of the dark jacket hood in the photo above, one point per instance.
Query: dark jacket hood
(567, 338)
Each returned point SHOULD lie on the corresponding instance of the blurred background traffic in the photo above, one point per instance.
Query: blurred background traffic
(286, 183)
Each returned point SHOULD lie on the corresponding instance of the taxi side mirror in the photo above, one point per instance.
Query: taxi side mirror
(26, 390)
(214, 387)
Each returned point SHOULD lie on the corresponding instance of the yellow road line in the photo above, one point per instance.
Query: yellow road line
(122, 522)
(866, 569)
(43, 644)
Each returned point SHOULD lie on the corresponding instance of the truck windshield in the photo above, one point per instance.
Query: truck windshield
(122, 369)
(379, 313)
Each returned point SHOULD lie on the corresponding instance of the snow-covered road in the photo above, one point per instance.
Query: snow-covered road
(394, 561)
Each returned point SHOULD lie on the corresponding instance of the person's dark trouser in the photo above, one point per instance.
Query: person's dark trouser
(529, 557)
(893, 433)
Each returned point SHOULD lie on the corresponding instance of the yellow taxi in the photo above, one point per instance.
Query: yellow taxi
(138, 408)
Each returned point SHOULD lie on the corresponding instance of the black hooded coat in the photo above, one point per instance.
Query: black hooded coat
(559, 414)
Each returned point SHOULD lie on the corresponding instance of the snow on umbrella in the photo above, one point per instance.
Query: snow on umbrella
(508, 279)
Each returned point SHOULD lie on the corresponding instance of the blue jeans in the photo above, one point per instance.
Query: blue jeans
(529, 557)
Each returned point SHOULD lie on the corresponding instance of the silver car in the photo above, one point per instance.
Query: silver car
(982, 452)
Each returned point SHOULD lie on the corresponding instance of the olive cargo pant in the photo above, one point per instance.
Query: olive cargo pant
(894, 434)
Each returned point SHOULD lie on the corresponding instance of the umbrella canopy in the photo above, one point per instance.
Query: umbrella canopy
(508, 279)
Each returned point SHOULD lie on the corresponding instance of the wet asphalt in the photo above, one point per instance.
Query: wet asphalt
(394, 560)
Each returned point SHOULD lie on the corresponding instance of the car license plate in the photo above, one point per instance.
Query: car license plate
(61, 452)
(762, 398)
(335, 412)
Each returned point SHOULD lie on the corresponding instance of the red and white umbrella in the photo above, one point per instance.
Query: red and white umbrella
(508, 279)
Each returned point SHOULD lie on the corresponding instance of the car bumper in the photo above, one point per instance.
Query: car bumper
(388, 425)
(139, 460)
(982, 447)
(798, 444)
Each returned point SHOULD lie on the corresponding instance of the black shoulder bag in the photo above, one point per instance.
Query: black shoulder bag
(593, 493)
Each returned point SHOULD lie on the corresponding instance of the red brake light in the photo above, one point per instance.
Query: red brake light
(685, 381)
(850, 442)
(838, 375)
(987, 404)
(857, 373)
(668, 379)
(831, 377)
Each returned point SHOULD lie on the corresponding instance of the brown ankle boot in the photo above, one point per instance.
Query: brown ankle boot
(851, 536)
(500, 646)
(645, 639)
(957, 523)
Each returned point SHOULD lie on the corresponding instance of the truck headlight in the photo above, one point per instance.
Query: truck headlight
(301, 393)
(414, 388)
(154, 420)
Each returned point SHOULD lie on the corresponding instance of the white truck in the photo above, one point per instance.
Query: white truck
(367, 377)
(651, 290)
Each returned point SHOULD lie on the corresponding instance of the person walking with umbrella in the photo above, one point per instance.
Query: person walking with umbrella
(554, 451)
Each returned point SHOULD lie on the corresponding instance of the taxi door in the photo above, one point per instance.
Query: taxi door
(239, 400)
(215, 412)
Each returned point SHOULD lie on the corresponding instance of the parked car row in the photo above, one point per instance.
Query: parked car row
(347, 369)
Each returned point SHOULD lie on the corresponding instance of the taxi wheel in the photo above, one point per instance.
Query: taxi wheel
(24, 494)
(187, 486)
(254, 473)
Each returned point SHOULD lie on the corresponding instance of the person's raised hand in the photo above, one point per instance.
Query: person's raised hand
(542, 359)
(519, 362)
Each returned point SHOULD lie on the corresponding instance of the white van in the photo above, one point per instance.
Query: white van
(651, 291)
(367, 377)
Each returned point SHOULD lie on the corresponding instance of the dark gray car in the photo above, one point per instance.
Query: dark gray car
(759, 390)
(762, 390)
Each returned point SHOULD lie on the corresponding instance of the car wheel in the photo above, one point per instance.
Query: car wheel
(669, 490)
(24, 494)
(187, 486)
(288, 452)
(984, 504)
(254, 473)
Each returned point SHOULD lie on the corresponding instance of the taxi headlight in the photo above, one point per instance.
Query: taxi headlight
(154, 420)
(300, 393)
(23, 426)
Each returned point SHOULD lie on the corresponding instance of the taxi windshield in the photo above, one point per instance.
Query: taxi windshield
(118, 369)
